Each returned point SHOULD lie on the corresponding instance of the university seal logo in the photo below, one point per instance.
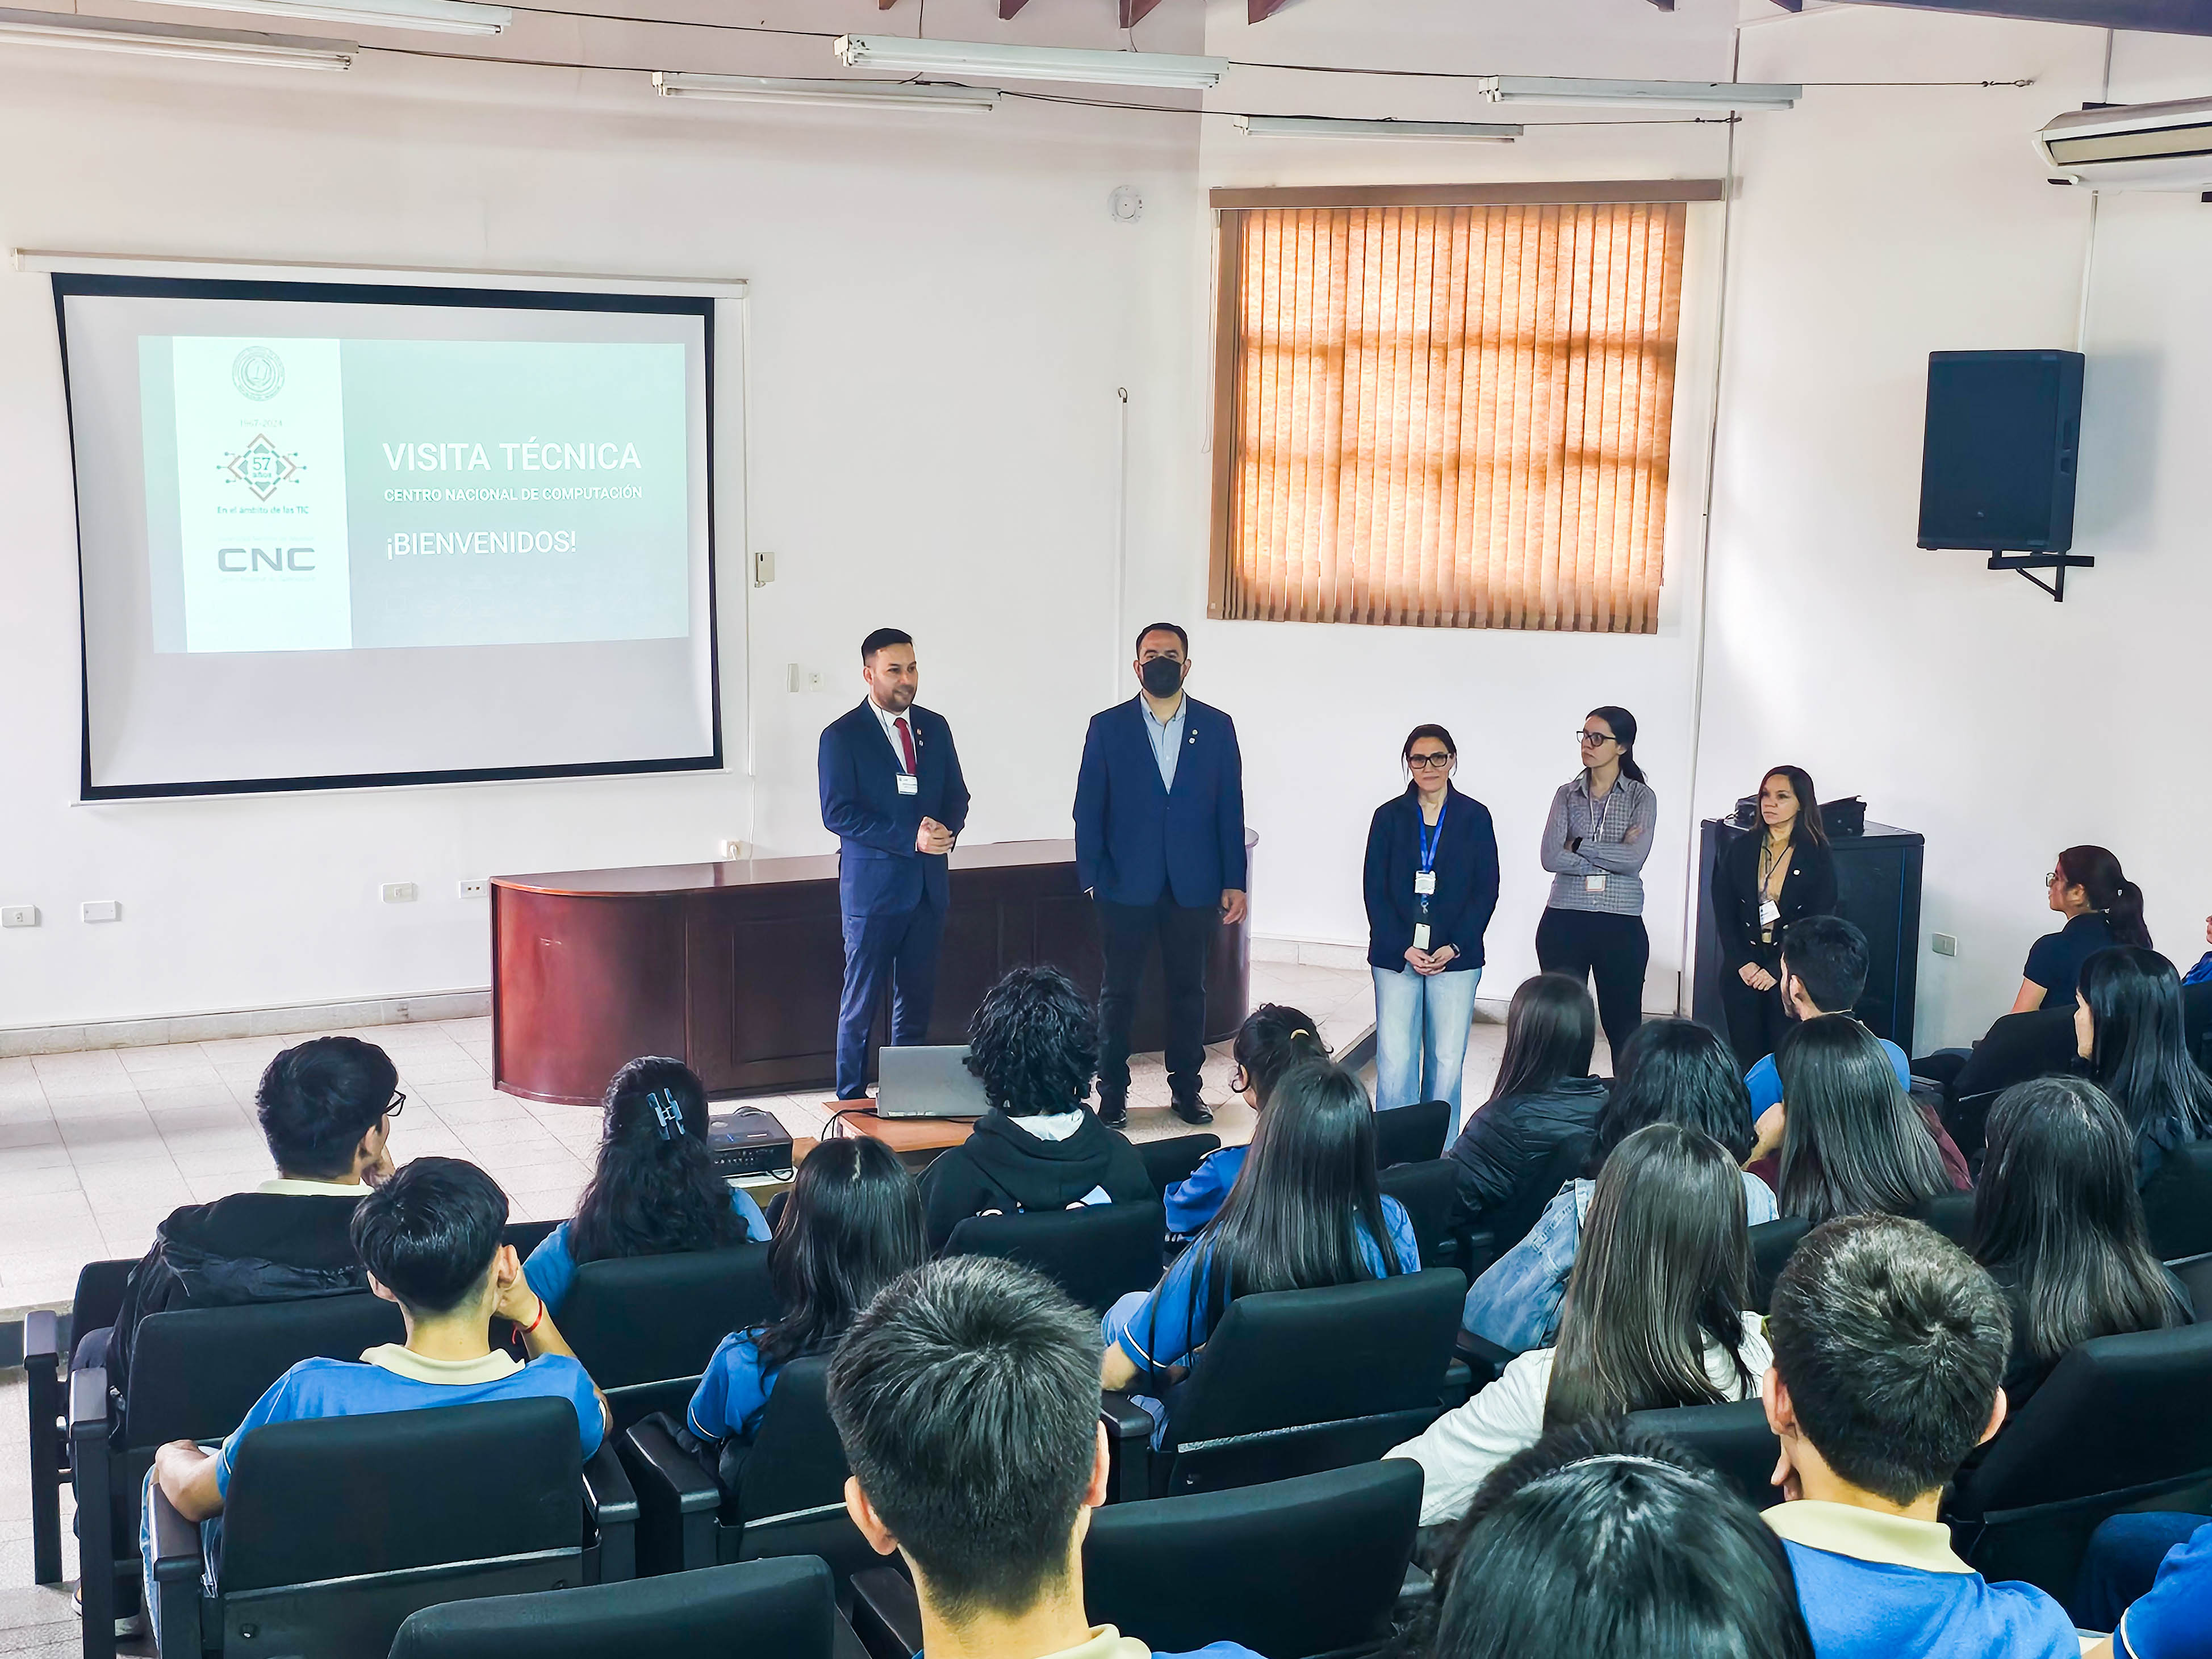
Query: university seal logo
(258, 372)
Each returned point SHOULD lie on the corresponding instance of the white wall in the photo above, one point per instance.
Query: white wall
(941, 311)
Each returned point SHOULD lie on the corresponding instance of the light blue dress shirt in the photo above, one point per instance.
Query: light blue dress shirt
(1167, 740)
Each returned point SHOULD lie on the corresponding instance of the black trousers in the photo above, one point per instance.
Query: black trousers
(1612, 950)
(1185, 936)
(1757, 1022)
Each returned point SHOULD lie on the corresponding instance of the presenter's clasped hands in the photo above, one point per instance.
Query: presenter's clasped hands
(932, 837)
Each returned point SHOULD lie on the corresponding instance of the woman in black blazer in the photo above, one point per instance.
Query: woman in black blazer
(1431, 882)
(1765, 882)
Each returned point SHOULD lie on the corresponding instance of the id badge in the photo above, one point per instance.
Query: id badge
(1593, 884)
(908, 784)
(1769, 913)
(1424, 883)
(1420, 936)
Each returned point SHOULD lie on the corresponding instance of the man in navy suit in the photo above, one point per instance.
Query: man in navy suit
(893, 796)
(1159, 845)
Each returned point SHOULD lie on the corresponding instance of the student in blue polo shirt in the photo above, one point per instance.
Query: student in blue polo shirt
(1272, 1039)
(1824, 972)
(1889, 1344)
(2170, 1619)
(655, 1190)
(429, 1238)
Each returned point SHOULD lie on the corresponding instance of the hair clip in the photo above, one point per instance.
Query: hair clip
(668, 1117)
(1300, 1032)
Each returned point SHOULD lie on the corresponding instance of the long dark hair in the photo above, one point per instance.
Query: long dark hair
(1034, 1043)
(1273, 1038)
(2097, 873)
(1855, 1144)
(1293, 1219)
(2139, 1049)
(1663, 1269)
(655, 1189)
(1673, 1071)
(2058, 1219)
(1809, 823)
(1551, 1031)
(852, 1225)
(1623, 726)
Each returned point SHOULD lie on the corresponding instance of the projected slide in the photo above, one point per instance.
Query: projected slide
(311, 495)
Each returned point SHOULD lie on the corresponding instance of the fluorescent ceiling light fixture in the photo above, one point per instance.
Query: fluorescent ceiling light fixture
(1325, 126)
(1108, 69)
(440, 16)
(851, 95)
(1637, 95)
(50, 28)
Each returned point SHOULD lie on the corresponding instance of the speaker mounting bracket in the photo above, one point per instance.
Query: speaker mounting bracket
(2028, 564)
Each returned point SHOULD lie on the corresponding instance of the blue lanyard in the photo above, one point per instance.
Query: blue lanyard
(1430, 839)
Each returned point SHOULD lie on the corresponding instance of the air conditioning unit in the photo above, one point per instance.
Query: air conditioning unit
(2164, 146)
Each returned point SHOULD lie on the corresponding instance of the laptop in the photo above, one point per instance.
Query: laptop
(927, 1083)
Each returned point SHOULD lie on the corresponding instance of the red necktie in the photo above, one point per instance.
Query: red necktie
(906, 741)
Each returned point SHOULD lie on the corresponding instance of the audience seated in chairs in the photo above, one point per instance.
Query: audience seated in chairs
(967, 1399)
(1034, 1043)
(2128, 1032)
(1605, 1541)
(326, 1108)
(2059, 1226)
(1654, 1317)
(1272, 1039)
(655, 1190)
(1544, 1100)
(1673, 1070)
(1824, 972)
(429, 1238)
(853, 1225)
(1889, 1343)
(1850, 1141)
(2148, 1579)
(1306, 1213)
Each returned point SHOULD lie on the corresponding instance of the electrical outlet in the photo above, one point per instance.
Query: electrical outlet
(100, 910)
(763, 568)
(732, 849)
(803, 678)
(473, 887)
(1944, 945)
(20, 915)
(396, 892)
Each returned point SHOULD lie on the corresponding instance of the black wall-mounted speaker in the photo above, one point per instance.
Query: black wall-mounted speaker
(1997, 466)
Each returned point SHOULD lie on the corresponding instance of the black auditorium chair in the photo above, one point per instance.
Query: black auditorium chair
(788, 1498)
(1772, 1244)
(1305, 1566)
(2177, 1204)
(1293, 1382)
(194, 1374)
(1173, 1159)
(776, 1609)
(1096, 1253)
(1412, 1134)
(1426, 1189)
(335, 1529)
(2120, 1422)
(1504, 1226)
(1951, 1214)
(645, 1326)
(98, 1298)
(1733, 1439)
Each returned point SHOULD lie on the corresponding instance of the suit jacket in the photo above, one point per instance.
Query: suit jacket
(878, 871)
(1809, 889)
(1133, 839)
(1465, 869)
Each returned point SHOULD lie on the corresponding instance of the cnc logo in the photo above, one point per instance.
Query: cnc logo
(258, 372)
(261, 466)
(241, 560)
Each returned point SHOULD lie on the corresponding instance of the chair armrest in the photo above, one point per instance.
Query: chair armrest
(1485, 1360)
(88, 1403)
(1129, 1430)
(1459, 1385)
(610, 1506)
(49, 1444)
(886, 1614)
(178, 1567)
(42, 1336)
(176, 1543)
(91, 1470)
(677, 1501)
(844, 1641)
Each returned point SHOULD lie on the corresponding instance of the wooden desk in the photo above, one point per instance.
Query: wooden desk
(736, 969)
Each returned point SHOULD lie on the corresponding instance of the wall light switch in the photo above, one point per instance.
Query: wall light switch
(1944, 945)
(803, 678)
(398, 892)
(19, 915)
(473, 887)
(100, 910)
(763, 568)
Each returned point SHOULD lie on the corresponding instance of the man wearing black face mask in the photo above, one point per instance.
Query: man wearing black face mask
(1159, 845)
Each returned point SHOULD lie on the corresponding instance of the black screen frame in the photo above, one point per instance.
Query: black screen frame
(69, 284)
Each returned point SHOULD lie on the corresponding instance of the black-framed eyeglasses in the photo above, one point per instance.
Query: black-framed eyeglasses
(1430, 762)
(398, 1105)
(1594, 737)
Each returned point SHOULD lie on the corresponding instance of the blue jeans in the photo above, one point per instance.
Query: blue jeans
(2122, 1559)
(1421, 1022)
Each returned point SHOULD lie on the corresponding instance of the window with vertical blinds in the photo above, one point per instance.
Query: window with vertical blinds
(1446, 417)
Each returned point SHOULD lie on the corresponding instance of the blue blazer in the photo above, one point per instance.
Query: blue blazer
(1467, 880)
(1134, 840)
(878, 871)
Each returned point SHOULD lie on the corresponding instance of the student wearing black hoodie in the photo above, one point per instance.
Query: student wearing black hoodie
(1035, 1045)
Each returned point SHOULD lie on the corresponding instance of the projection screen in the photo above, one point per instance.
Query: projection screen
(337, 535)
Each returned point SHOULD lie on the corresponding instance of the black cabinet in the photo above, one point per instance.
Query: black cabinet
(1877, 887)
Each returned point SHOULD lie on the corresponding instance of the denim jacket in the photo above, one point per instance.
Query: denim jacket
(1515, 1304)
